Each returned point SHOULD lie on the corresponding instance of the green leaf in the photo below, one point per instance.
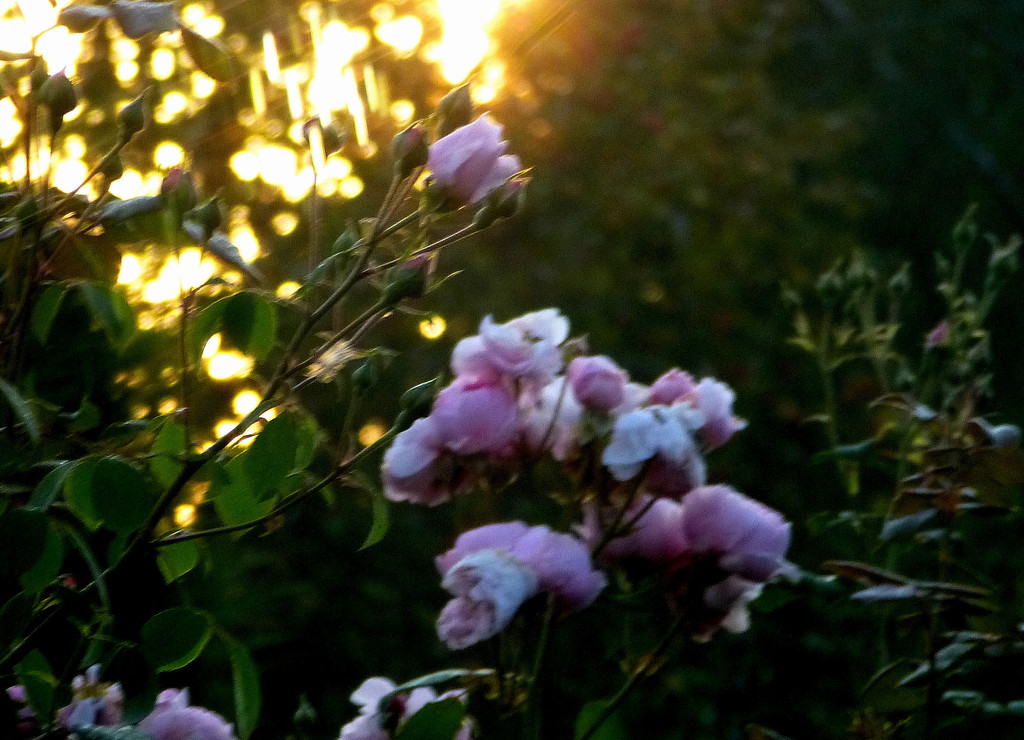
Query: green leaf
(611, 729)
(47, 567)
(21, 409)
(438, 720)
(49, 487)
(45, 311)
(907, 525)
(110, 312)
(168, 445)
(35, 674)
(211, 57)
(22, 541)
(232, 497)
(249, 323)
(14, 618)
(270, 457)
(87, 417)
(120, 494)
(306, 435)
(174, 638)
(130, 668)
(381, 519)
(433, 679)
(220, 246)
(177, 560)
(246, 681)
(78, 493)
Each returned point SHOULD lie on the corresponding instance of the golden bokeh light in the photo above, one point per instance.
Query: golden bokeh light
(227, 365)
(131, 269)
(244, 402)
(185, 515)
(371, 432)
(433, 327)
(287, 289)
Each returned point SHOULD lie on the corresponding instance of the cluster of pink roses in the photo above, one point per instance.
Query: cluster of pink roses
(101, 705)
(511, 399)
(518, 395)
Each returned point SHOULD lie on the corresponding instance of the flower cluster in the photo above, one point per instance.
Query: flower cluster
(638, 454)
(510, 398)
(101, 705)
(375, 721)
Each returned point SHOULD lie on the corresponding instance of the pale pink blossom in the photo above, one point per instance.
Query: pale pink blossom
(475, 415)
(748, 538)
(174, 719)
(714, 399)
(725, 606)
(410, 470)
(938, 336)
(368, 697)
(493, 569)
(661, 438)
(597, 382)
(93, 702)
(524, 349)
(674, 385)
(550, 420)
(470, 162)
(656, 534)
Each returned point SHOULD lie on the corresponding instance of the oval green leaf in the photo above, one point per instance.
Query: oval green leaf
(121, 496)
(174, 638)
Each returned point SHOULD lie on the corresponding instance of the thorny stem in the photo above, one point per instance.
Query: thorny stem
(646, 665)
(614, 530)
(430, 248)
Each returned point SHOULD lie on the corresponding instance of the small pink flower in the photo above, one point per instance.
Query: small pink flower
(474, 415)
(748, 538)
(938, 336)
(661, 438)
(551, 420)
(714, 399)
(597, 382)
(493, 569)
(369, 724)
(93, 702)
(174, 719)
(674, 385)
(410, 466)
(524, 349)
(470, 162)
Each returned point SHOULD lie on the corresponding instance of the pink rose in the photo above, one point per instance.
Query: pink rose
(470, 162)
(493, 569)
(661, 438)
(174, 719)
(369, 724)
(524, 349)
(551, 420)
(748, 538)
(93, 703)
(657, 535)
(597, 382)
(410, 466)
(714, 399)
(674, 385)
(474, 415)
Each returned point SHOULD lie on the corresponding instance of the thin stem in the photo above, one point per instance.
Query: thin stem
(430, 248)
(638, 673)
(334, 475)
(534, 719)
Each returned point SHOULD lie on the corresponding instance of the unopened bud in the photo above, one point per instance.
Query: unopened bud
(454, 111)
(58, 94)
(365, 377)
(409, 150)
(509, 198)
(860, 274)
(938, 336)
(418, 399)
(208, 215)
(132, 118)
(485, 217)
(404, 282)
(112, 167)
(178, 191)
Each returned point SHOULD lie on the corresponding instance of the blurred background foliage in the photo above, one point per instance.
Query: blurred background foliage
(690, 158)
